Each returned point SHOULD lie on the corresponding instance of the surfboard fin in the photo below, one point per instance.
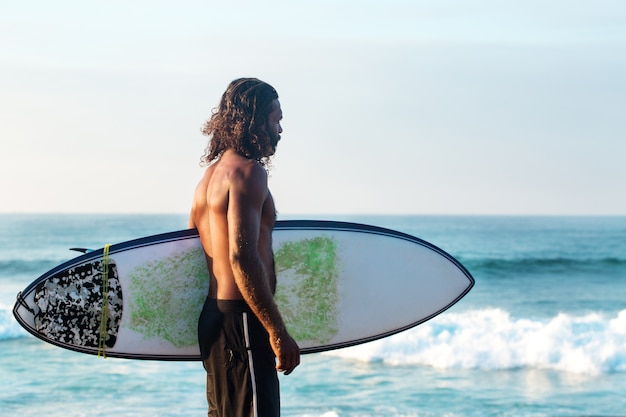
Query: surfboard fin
(82, 250)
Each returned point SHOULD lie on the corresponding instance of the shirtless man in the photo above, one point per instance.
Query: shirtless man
(243, 340)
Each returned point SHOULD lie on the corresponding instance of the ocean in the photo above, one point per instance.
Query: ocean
(542, 333)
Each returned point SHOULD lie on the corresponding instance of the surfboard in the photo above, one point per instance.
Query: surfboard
(339, 284)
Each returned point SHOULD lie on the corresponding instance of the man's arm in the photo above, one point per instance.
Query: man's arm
(247, 194)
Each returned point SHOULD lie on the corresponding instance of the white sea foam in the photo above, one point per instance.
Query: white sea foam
(488, 339)
(491, 339)
(9, 327)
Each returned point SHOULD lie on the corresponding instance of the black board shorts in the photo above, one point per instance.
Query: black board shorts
(242, 380)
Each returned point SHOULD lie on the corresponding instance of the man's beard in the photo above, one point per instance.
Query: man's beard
(274, 141)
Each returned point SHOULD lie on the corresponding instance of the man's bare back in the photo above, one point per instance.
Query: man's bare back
(234, 185)
(234, 213)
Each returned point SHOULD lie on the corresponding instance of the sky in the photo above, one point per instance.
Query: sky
(390, 107)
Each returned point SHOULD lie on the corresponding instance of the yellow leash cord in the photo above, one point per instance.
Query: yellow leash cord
(104, 311)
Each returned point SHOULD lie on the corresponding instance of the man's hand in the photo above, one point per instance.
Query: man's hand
(287, 353)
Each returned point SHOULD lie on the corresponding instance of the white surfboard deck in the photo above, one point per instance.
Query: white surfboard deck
(339, 284)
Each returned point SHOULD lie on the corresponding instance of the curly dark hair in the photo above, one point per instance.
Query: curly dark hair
(239, 121)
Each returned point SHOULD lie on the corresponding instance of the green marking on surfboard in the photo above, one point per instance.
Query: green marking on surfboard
(308, 302)
(163, 307)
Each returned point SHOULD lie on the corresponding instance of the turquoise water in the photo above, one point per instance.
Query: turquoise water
(542, 333)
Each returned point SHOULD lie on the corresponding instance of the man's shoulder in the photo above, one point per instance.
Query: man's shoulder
(241, 171)
(241, 166)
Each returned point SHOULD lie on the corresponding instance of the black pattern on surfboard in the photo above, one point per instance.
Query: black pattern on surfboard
(70, 305)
